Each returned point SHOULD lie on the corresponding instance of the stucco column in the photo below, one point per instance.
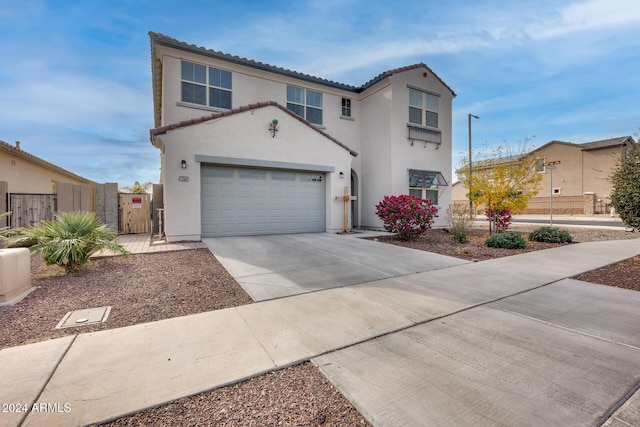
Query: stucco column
(589, 203)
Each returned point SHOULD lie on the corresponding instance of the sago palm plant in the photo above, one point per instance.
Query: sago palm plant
(4, 231)
(69, 240)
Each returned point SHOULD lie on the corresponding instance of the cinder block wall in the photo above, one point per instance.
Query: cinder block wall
(107, 203)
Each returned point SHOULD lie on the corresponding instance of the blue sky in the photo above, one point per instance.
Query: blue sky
(75, 80)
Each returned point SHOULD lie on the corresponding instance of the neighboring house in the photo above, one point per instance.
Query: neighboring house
(30, 182)
(581, 179)
(250, 148)
(26, 173)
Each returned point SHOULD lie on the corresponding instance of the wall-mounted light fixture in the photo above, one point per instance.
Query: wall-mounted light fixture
(341, 175)
(273, 127)
(184, 164)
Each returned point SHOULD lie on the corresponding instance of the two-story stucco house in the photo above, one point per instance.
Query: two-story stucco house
(249, 148)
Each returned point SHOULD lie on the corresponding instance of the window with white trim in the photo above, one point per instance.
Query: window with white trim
(346, 107)
(305, 103)
(206, 85)
(423, 108)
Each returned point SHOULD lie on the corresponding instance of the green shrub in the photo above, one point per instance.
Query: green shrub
(626, 187)
(509, 240)
(550, 235)
(69, 240)
(460, 237)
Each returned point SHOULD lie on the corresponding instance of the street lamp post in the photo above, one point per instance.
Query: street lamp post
(470, 168)
(551, 166)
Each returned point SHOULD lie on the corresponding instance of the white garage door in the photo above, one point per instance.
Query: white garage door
(237, 201)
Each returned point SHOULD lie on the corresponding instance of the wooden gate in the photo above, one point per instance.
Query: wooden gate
(135, 213)
(28, 209)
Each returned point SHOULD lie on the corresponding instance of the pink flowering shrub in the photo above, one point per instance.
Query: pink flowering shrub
(406, 216)
(502, 220)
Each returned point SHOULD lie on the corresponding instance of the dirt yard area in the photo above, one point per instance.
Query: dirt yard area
(148, 287)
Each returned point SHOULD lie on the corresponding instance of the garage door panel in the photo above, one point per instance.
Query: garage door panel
(237, 201)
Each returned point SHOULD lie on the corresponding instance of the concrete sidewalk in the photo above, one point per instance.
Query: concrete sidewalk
(105, 375)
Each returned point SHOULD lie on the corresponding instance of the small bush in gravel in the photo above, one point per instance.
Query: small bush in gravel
(460, 237)
(459, 218)
(500, 217)
(550, 235)
(69, 240)
(509, 240)
(406, 216)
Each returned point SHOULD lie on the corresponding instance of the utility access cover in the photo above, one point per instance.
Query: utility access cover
(87, 316)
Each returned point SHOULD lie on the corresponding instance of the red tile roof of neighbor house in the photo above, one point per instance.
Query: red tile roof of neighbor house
(164, 129)
(16, 151)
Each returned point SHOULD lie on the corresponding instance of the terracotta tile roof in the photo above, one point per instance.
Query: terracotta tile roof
(164, 129)
(389, 73)
(13, 150)
(161, 39)
(157, 38)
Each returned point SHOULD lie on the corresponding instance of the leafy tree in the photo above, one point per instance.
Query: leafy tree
(502, 181)
(626, 187)
(69, 240)
(138, 188)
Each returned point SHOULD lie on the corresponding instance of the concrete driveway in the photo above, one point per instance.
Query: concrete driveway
(276, 266)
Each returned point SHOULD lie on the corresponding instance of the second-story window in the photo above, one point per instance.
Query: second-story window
(346, 107)
(423, 108)
(206, 85)
(305, 103)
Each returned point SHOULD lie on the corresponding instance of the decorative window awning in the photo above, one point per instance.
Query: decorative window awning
(426, 179)
(419, 133)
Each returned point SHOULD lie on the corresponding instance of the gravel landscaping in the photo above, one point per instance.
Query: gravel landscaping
(148, 287)
(296, 396)
(140, 288)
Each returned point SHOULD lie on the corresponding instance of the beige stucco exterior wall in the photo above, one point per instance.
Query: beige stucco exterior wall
(375, 151)
(567, 175)
(377, 130)
(294, 143)
(250, 86)
(459, 192)
(598, 167)
(420, 156)
(24, 176)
